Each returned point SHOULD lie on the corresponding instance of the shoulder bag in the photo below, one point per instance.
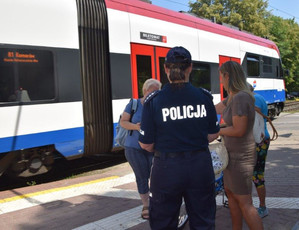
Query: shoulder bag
(259, 115)
(121, 133)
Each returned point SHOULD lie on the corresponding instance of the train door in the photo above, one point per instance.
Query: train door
(147, 62)
(223, 59)
(160, 59)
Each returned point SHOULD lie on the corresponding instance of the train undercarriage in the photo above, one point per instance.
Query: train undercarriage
(275, 109)
(28, 162)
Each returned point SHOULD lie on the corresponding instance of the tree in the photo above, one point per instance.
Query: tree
(252, 16)
(285, 33)
(248, 15)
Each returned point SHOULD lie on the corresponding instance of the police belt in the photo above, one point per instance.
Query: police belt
(179, 154)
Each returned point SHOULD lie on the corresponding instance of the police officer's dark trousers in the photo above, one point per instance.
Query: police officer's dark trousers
(189, 175)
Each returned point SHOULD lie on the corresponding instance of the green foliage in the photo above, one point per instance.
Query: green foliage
(285, 33)
(249, 15)
(252, 16)
(31, 183)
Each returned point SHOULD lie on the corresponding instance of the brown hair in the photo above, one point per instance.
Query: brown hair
(177, 71)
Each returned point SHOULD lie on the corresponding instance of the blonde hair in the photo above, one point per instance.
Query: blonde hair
(237, 79)
(149, 83)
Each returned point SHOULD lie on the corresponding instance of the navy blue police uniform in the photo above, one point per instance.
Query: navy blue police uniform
(178, 120)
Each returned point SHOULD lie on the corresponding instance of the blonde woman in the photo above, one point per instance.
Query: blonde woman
(238, 114)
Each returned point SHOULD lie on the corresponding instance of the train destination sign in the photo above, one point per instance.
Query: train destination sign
(16, 56)
(153, 37)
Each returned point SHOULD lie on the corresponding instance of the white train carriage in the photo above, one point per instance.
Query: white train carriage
(68, 68)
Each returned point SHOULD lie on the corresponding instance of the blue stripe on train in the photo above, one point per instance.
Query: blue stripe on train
(272, 96)
(67, 141)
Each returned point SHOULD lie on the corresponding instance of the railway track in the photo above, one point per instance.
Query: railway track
(291, 106)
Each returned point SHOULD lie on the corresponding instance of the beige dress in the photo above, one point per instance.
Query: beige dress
(241, 150)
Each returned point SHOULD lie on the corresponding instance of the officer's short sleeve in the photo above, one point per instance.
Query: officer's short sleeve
(147, 124)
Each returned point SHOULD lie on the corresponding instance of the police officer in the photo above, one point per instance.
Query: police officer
(178, 122)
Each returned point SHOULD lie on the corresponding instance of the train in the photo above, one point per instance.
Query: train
(69, 67)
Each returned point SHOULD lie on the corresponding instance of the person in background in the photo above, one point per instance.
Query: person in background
(261, 154)
(238, 114)
(139, 159)
(177, 123)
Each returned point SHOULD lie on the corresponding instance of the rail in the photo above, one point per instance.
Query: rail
(291, 106)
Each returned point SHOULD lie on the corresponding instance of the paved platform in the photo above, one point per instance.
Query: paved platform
(109, 200)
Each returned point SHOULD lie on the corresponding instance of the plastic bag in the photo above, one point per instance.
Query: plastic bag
(219, 155)
(258, 128)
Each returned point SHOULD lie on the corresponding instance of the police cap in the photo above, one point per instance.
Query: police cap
(178, 54)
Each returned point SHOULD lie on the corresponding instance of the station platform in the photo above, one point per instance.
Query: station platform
(108, 200)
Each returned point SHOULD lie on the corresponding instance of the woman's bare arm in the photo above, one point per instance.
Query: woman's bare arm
(238, 129)
(147, 147)
(125, 122)
(212, 137)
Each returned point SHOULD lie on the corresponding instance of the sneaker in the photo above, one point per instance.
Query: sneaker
(263, 212)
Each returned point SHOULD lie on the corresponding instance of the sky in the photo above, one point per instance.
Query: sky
(286, 9)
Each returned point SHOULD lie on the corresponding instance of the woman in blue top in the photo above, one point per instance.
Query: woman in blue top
(139, 159)
(261, 154)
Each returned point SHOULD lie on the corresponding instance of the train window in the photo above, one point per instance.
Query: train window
(144, 71)
(280, 70)
(7, 83)
(201, 76)
(267, 65)
(26, 75)
(253, 66)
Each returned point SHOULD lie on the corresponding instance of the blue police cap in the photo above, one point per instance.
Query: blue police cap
(178, 54)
